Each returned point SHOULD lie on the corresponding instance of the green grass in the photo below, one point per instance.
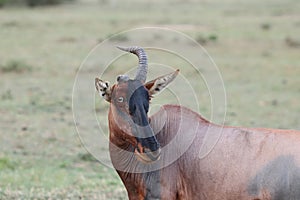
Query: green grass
(42, 48)
(15, 66)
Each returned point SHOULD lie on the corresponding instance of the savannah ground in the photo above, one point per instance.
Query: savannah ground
(255, 44)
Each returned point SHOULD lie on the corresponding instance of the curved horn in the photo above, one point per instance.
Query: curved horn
(141, 73)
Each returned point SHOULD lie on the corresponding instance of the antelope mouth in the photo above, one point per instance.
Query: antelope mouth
(147, 156)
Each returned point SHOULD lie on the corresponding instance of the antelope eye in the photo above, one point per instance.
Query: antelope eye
(120, 99)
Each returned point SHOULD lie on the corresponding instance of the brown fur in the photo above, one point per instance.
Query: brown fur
(225, 173)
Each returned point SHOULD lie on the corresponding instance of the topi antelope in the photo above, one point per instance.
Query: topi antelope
(245, 164)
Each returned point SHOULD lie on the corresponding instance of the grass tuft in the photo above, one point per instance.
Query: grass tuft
(119, 38)
(15, 66)
(265, 26)
(213, 37)
(203, 40)
(2, 3)
(7, 95)
(87, 157)
(6, 163)
(291, 42)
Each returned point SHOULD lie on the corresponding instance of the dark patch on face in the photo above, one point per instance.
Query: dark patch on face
(136, 96)
(281, 178)
(138, 102)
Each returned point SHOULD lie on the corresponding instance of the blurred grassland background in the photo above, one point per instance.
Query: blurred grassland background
(255, 44)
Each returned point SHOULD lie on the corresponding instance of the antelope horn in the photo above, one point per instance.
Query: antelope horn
(141, 73)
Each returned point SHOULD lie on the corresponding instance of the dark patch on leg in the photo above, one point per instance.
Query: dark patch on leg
(280, 177)
(152, 184)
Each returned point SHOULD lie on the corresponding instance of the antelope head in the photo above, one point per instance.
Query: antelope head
(129, 104)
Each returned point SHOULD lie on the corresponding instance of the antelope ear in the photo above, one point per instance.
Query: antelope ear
(103, 88)
(158, 84)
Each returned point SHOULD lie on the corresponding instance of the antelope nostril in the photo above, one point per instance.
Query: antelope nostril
(154, 148)
(148, 148)
(153, 155)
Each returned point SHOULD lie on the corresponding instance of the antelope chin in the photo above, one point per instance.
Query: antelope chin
(148, 156)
